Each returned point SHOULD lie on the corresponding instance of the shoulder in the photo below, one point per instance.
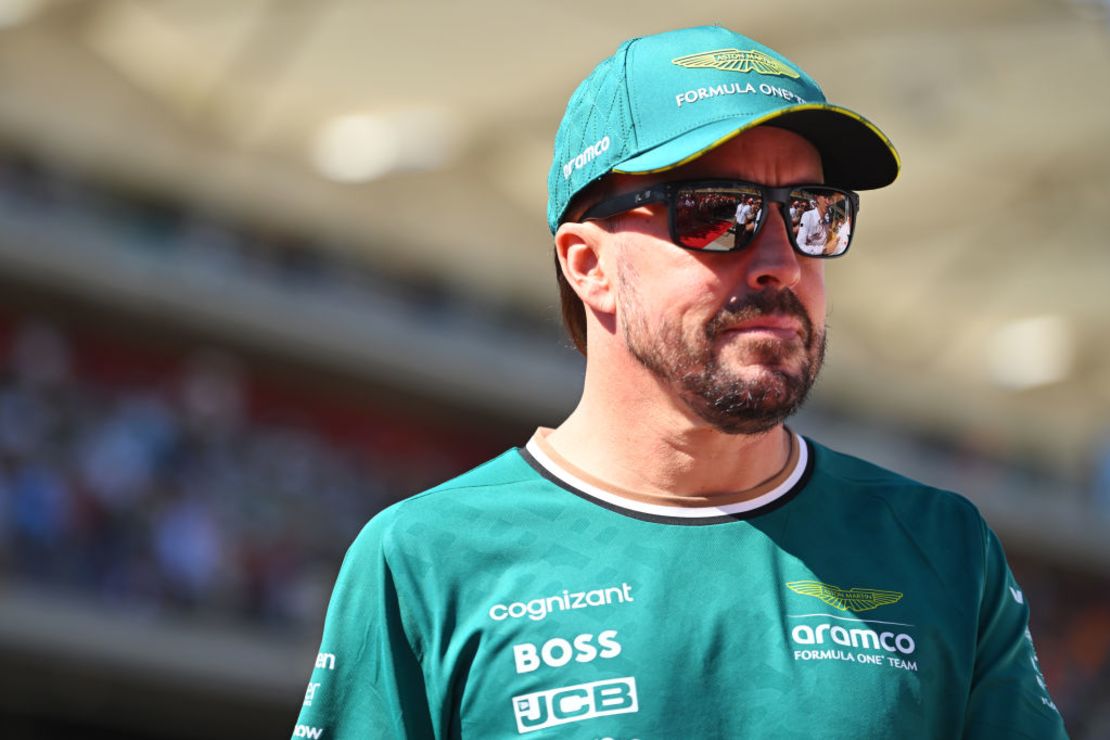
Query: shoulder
(934, 532)
(919, 506)
(452, 506)
(479, 488)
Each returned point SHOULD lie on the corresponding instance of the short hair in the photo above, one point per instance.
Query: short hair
(571, 306)
(573, 310)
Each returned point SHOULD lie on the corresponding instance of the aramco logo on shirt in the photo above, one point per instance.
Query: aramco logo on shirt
(846, 599)
(864, 641)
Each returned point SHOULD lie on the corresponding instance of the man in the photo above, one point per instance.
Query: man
(843, 233)
(745, 214)
(813, 231)
(797, 208)
(672, 561)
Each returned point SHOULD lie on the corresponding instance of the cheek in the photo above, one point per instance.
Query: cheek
(811, 290)
(674, 304)
(688, 319)
(675, 288)
(697, 298)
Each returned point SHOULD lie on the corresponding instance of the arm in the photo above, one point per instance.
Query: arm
(367, 681)
(1008, 695)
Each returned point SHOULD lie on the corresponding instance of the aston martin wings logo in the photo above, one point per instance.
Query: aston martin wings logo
(736, 60)
(846, 599)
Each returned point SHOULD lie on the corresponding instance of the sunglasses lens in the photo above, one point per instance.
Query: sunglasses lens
(822, 220)
(716, 219)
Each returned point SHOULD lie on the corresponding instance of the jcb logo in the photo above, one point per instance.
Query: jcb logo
(575, 703)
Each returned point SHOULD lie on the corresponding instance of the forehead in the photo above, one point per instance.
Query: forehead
(767, 155)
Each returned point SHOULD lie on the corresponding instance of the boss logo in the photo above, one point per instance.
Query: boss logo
(575, 703)
(557, 652)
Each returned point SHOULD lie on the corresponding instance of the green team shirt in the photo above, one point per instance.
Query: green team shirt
(520, 600)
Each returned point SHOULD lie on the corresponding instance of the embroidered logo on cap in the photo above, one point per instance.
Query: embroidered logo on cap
(735, 60)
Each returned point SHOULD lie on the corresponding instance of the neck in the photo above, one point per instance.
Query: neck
(636, 437)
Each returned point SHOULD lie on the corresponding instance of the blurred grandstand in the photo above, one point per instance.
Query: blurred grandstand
(223, 346)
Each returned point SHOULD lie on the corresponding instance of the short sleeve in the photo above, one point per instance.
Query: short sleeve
(367, 680)
(1009, 697)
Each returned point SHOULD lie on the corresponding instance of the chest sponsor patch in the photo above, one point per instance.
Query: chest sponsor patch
(867, 642)
(577, 703)
(846, 599)
(540, 608)
(873, 642)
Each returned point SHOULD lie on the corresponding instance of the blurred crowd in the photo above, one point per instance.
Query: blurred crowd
(1070, 622)
(179, 485)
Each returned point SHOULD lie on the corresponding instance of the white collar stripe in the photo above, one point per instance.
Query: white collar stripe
(681, 512)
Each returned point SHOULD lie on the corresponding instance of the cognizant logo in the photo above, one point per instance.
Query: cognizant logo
(538, 608)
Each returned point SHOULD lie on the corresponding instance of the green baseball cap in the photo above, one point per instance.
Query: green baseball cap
(663, 100)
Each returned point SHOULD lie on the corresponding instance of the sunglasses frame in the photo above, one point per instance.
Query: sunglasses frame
(665, 193)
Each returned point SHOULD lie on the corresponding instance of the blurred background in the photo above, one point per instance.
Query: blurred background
(267, 266)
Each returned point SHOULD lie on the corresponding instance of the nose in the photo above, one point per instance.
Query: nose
(772, 262)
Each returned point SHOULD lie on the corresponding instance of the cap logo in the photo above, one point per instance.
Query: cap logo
(735, 60)
(587, 155)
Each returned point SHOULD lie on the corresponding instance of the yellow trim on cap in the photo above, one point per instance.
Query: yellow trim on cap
(771, 116)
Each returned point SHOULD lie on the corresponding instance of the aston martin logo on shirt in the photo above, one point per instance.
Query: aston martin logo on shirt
(736, 60)
(846, 599)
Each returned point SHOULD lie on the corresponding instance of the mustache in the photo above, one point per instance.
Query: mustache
(767, 303)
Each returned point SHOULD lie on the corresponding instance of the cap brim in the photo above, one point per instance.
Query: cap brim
(854, 152)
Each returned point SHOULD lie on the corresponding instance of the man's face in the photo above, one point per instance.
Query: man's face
(738, 337)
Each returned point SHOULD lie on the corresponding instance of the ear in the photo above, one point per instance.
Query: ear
(581, 249)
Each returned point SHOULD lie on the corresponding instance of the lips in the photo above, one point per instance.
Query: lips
(784, 327)
(769, 313)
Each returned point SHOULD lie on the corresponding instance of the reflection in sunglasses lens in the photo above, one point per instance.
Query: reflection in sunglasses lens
(715, 220)
(702, 217)
(720, 219)
(822, 221)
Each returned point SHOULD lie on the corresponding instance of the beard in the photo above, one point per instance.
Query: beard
(771, 386)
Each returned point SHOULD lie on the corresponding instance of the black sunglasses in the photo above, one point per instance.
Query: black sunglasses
(726, 215)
